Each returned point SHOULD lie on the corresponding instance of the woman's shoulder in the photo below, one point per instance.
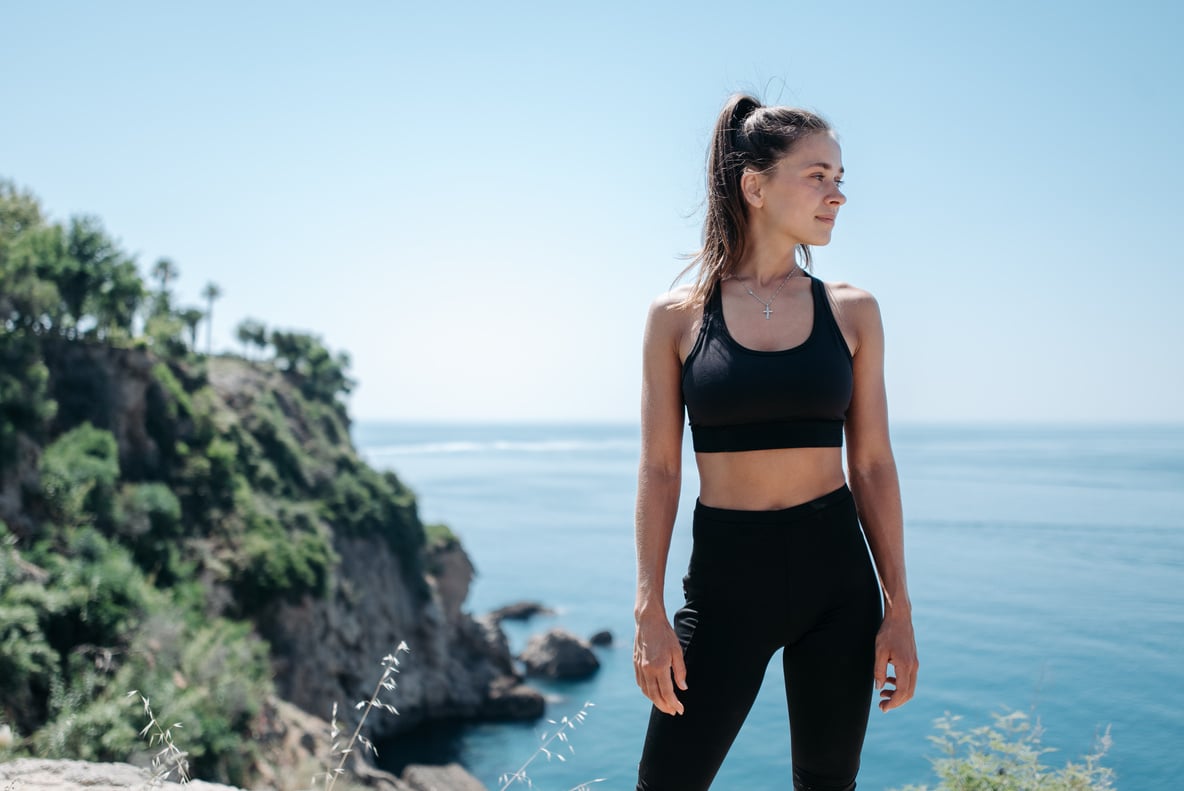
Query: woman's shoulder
(857, 313)
(676, 304)
(851, 298)
(673, 315)
(675, 297)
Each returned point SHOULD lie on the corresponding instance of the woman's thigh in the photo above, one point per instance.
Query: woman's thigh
(726, 652)
(830, 662)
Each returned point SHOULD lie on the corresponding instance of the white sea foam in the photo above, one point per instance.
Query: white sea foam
(503, 446)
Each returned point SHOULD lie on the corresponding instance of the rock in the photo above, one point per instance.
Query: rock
(441, 778)
(488, 631)
(367, 776)
(453, 573)
(520, 611)
(289, 740)
(601, 638)
(509, 699)
(559, 654)
(326, 650)
(36, 774)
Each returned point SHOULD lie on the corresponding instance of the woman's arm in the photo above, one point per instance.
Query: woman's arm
(657, 655)
(876, 487)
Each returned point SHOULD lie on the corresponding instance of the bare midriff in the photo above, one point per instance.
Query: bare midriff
(767, 480)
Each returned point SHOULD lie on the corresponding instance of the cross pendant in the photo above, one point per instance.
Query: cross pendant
(768, 312)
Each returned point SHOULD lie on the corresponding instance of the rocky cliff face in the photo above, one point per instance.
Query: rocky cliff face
(111, 388)
(328, 650)
(327, 641)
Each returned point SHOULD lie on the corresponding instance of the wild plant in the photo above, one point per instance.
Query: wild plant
(1006, 757)
(562, 727)
(169, 758)
(390, 668)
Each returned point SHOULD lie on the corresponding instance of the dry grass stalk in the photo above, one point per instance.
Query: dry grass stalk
(169, 758)
(390, 667)
(563, 726)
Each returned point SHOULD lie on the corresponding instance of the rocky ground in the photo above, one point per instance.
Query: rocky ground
(31, 774)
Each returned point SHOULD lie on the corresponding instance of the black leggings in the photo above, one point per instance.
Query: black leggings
(801, 579)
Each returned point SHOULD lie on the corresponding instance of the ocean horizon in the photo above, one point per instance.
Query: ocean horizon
(1044, 567)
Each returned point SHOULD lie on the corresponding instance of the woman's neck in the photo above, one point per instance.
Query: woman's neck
(766, 264)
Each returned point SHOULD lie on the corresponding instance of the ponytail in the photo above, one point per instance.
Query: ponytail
(747, 136)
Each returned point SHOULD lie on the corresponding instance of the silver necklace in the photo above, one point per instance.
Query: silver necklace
(769, 305)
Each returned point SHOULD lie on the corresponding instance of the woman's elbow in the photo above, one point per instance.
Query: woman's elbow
(871, 470)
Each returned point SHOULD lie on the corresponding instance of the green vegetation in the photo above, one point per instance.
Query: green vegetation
(158, 501)
(1006, 756)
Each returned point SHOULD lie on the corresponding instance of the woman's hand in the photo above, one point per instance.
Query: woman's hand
(896, 645)
(657, 661)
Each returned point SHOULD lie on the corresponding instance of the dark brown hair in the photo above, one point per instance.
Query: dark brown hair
(750, 136)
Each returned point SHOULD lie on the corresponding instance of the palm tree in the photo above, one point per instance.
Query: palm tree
(210, 292)
(164, 270)
(191, 317)
(251, 332)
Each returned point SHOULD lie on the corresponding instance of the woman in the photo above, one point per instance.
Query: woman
(773, 367)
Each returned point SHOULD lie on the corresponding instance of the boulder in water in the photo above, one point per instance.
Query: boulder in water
(559, 654)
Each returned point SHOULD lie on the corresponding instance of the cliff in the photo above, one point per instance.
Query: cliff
(242, 522)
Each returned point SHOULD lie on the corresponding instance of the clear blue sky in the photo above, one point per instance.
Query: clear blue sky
(479, 200)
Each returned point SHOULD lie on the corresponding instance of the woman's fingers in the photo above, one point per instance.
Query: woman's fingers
(906, 683)
(895, 646)
(657, 684)
(667, 701)
(658, 665)
(679, 669)
(903, 684)
(880, 671)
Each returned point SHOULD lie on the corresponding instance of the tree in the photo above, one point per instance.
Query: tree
(19, 211)
(251, 332)
(25, 405)
(321, 375)
(164, 270)
(29, 297)
(191, 317)
(210, 292)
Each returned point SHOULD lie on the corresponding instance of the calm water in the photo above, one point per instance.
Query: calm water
(1046, 569)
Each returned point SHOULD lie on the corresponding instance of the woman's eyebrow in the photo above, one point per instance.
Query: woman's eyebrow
(823, 165)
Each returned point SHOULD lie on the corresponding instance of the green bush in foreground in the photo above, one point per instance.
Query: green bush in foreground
(1006, 757)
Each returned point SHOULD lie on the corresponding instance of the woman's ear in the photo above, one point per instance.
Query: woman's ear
(752, 188)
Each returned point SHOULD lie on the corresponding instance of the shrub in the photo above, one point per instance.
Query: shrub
(96, 595)
(1006, 757)
(78, 475)
(212, 677)
(366, 503)
(176, 403)
(148, 519)
(273, 562)
(208, 480)
(27, 663)
(440, 536)
(268, 426)
(148, 508)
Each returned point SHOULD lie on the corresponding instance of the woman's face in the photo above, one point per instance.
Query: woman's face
(799, 197)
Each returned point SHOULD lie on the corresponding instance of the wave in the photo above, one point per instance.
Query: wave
(501, 446)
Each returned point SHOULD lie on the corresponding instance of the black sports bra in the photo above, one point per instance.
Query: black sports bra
(744, 399)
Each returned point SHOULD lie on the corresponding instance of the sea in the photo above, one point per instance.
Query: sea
(1045, 565)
